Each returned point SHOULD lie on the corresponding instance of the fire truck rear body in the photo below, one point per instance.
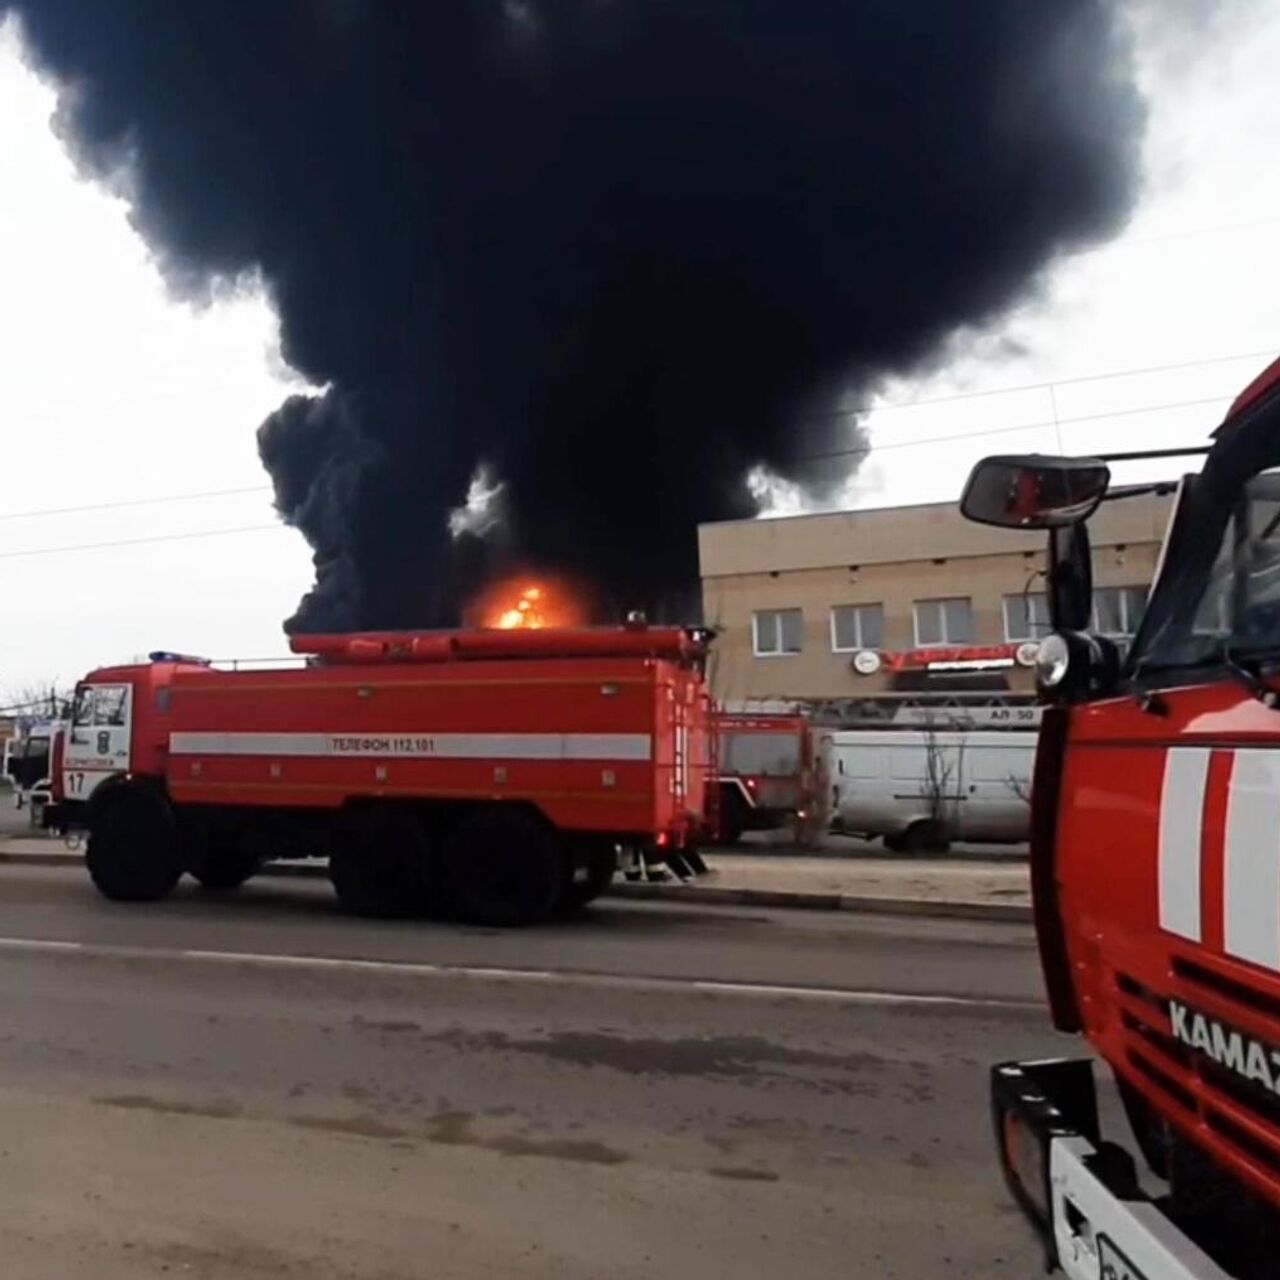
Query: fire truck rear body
(594, 744)
(766, 772)
(599, 737)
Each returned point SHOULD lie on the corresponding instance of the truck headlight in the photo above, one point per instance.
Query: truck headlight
(1073, 664)
(1053, 661)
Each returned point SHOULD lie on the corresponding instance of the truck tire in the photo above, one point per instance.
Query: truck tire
(219, 872)
(505, 867)
(733, 816)
(925, 836)
(591, 878)
(381, 864)
(133, 853)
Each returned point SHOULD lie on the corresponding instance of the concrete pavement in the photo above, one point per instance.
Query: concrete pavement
(257, 1086)
(951, 885)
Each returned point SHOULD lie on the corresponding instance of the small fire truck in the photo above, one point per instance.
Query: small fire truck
(766, 773)
(491, 775)
(1155, 866)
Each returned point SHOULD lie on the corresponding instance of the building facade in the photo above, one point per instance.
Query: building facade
(868, 614)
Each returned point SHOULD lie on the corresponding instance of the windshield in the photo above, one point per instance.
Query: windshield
(100, 705)
(1220, 592)
(761, 754)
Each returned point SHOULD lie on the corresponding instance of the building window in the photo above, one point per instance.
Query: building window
(777, 631)
(1026, 617)
(944, 621)
(856, 626)
(1118, 610)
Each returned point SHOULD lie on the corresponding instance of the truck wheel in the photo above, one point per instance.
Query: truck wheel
(590, 878)
(222, 871)
(505, 867)
(381, 864)
(133, 853)
(925, 836)
(733, 816)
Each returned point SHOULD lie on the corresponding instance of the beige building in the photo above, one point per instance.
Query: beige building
(901, 605)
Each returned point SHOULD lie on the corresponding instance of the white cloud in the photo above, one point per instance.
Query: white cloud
(110, 392)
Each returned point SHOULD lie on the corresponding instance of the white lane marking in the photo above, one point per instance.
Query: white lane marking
(455, 746)
(1251, 889)
(1181, 816)
(497, 973)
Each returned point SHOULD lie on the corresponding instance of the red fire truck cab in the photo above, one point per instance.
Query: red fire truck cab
(492, 775)
(1156, 872)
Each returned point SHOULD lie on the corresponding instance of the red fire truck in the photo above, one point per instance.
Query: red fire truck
(494, 775)
(765, 773)
(1155, 867)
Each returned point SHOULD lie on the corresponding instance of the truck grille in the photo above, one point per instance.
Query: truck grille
(1243, 1114)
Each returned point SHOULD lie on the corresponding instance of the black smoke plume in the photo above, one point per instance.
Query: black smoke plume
(619, 250)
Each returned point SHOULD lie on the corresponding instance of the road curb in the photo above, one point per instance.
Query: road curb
(697, 894)
(68, 859)
(870, 904)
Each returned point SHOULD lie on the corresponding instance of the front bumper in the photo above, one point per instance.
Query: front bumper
(1080, 1193)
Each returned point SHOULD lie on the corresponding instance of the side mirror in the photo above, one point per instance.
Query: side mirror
(1034, 491)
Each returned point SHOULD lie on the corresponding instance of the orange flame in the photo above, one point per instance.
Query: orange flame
(527, 605)
(527, 612)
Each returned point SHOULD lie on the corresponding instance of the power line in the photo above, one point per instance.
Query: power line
(1006, 431)
(1268, 353)
(835, 413)
(133, 502)
(34, 704)
(137, 542)
(811, 457)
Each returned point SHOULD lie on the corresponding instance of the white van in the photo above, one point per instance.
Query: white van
(922, 789)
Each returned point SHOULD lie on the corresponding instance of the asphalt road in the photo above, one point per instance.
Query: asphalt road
(256, 1086)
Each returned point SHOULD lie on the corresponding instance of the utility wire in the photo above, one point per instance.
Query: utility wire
(834, 413)
(811, 457)
(137, 542)
(133, 502)
(1055, 422)
(1269, 353)
(34, 704)
(1005, 431)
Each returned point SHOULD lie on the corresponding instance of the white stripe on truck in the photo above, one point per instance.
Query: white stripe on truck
(1181, 816)
(398, 746)
(1251, 873)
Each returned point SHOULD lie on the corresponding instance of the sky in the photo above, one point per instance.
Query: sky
(1139, 343)
(1191, 280)
(111, 392)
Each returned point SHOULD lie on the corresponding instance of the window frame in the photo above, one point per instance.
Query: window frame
(946, 641)
(776, 615)
(1028, 596)
(862, 644)
(1122, 591)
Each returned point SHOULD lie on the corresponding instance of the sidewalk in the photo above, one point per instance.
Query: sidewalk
(947, 886)
(950, 886)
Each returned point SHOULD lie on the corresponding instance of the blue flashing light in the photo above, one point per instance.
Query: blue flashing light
(163, 655)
